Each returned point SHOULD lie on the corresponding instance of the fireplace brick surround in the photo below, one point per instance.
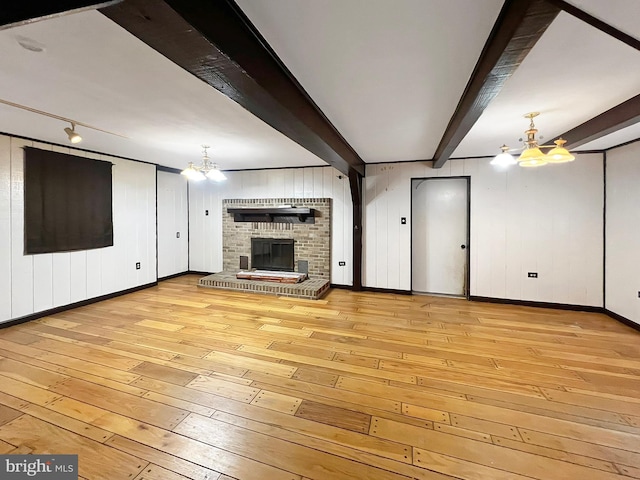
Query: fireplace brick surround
(312, 242)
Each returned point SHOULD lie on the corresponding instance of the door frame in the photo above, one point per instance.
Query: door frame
(467, 292)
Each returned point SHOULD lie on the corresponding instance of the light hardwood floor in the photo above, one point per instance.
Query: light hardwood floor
(177, 382)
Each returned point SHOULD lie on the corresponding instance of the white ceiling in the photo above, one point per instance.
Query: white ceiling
(95, 72)
(621, 14)
(387, 73)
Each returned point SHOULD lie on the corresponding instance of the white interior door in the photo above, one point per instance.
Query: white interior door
(439, 235)
(173, 234)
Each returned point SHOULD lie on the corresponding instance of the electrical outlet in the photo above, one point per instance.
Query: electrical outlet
(206, 212)
(342, 264)
(532, 274)
(137, 265)
(177, 234)
(638, 293)
(403, 220)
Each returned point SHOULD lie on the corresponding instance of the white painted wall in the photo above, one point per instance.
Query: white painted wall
(546, 220)
(623, 231)
(173, 211)
(33, 283)
(205, 237)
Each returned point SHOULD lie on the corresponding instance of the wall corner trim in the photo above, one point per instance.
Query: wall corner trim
(196, 272)
(628, 322)
(169, 277)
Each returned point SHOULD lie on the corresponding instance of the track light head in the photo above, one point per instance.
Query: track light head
(71, 133)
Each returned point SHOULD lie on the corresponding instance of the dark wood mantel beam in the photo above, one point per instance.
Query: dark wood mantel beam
(214, 40)
(15, 12)
(519, 26)
(621, 116)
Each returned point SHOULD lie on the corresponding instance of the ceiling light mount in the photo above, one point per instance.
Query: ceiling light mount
(206, 170)
(30, 44)
(532, 155)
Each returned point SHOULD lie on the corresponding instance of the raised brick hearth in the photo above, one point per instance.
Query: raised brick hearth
(313, 288)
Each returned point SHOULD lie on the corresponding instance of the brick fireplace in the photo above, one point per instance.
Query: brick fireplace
(312, 241)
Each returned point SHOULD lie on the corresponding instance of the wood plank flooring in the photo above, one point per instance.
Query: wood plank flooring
(176, 382)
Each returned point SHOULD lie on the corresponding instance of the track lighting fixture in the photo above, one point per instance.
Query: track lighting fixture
(206, 170)
(73, 136)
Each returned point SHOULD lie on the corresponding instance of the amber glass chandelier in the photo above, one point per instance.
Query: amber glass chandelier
(532, 155)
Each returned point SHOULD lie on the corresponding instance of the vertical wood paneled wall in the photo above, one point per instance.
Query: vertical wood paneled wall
(173, 251)
(205, 238)
(623, 231)
(33, 283)
(547, 220)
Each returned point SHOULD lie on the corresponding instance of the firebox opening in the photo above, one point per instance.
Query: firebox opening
(272, 254)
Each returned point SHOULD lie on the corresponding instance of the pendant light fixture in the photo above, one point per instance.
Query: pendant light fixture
(532, 155)
(206, 170)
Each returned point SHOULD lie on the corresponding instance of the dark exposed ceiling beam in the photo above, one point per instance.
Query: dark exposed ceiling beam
(215, 41)
(597, 23)
(616, 118)
(17, 13)
(519, 26)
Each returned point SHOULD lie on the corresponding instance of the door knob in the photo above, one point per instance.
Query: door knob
(463, 246)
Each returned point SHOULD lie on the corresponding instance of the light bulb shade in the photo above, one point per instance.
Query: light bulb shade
(559, 154)
(198, 176)
(532, 157)
(216, 175)
(192, 173)
(73, 136)
(504, 159)
(534, 162)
